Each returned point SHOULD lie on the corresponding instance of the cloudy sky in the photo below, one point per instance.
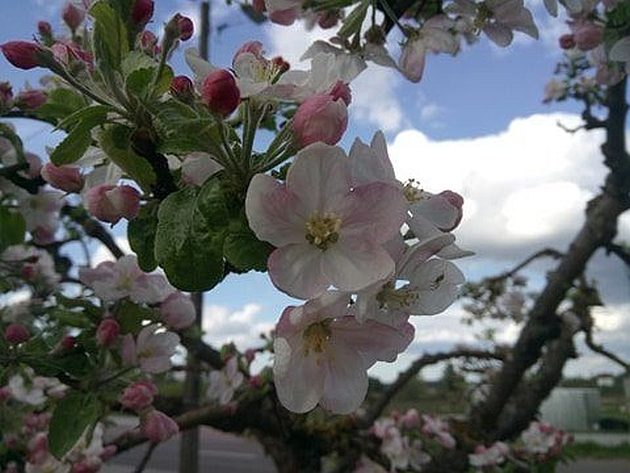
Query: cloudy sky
(475, 124)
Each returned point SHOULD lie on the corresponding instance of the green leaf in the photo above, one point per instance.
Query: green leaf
(71, 418)
(141, 234)
(131, 316)
(61, 103)
(70, 318)
(189, 241)
(352, 23)
(95, 115)
(136, 60)
(12, 228)
(72, 147)
(109, 37)
(115, 141)
(244, 251)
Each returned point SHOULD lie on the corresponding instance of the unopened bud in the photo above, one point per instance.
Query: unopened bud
(16, 334)
(107, 332)
(22, 54)
(65, 178)
(220, 93)
(73, 16)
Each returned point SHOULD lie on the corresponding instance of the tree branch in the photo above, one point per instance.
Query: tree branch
(622, 253)
(598, 231)
(545, 253)
(375, 411)
(93, 229)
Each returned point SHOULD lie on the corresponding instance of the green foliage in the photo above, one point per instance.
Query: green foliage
(115, 141)
(12, 228)
(243, 250)
(130, 316)
(73, 415)
(141, 234)
(109, 37)
(352, 23)
(80, 124)
(192, 225)
(60, 104)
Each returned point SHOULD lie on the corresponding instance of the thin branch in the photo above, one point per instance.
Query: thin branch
(546, 253)
(93, 228)
(622, 253)
(403, 378)
(598, 348)
(145, 459)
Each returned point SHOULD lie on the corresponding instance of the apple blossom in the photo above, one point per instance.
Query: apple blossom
(148, 42)
(65, 178)
(112, 281)
(36, 266)
(178, 311)
(185, 26)
(567, 41)
(44, 29)
(223, 383)
(111, 203)
(439, 429)
(152, 350)
(283, 12)
(326, 232)
(322, 355)
(30, 389)
(157, 426)
(488, 456)
(139, 395)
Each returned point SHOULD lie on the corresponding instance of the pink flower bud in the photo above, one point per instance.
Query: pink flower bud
(249, 355)
(157, 426)
(588, 35)
(453, 198)
(139, 395)
(220, 93)
(252, 47)
(142, 12)
(107, 332)
(148, 43)
(68, 342)
(341, 91)
(567, 41)
(178, 311)
(284, 17)
(72, 15)
(259, 6)
(65, 178)
(320, 118)
(31, 99)
(44, 29)
(108, 452)
(182, 88)
(328, 19)
(22, 54)
(186, 27)
(34, 165)
(256, 382)
(111, 203)
(5, 393)
(16, 334)
(410, 419)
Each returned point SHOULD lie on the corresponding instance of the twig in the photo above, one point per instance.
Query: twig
(145, 459)
(546, 253)
(93, 228)
(619, 251)
(403, 378)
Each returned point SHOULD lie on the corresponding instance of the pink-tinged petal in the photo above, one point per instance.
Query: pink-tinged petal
(373, 340)
(150, 289)
(453, 251)
(297, 271)
(330, 304)
(373, 212)
(499, 34)
(440, 211)
(417, 254)
(319, 177)
(299, 379)
(273, 213)
(346, 380)
(352, 266)
(371, 163)
(436, 284)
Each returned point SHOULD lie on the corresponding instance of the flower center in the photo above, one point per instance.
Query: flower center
(391, 298)
(412, 191)
(322, 230)
(316, 337)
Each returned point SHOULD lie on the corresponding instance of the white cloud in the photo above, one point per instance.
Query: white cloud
(243, 327)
